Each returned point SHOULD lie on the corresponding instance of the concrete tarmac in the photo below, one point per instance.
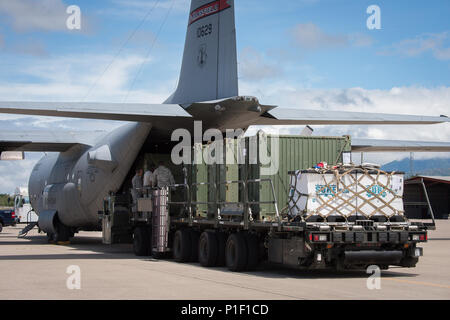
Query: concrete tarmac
(33, 269)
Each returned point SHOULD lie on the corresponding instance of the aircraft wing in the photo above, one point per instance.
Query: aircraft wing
(105, 111)
(372, 145)
(41, 141)
(286, 116)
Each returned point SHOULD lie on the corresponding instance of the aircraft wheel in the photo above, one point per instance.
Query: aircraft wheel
(141, 242)
(208, 249)
(63, 233)
(50, 237)
(236, 252)
(182, 246)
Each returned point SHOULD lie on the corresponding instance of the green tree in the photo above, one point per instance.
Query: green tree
(6, 200)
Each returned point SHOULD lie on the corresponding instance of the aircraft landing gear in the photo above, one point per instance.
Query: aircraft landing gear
(62, 235)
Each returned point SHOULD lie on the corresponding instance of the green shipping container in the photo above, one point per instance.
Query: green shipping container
(295, 153)
(215, 173)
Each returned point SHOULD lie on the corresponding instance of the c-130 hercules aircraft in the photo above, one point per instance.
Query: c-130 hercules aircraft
(72, 184)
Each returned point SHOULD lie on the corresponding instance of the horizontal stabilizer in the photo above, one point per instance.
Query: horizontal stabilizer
(45, 141)
(105, 111)
(371, 145)
(285, 116)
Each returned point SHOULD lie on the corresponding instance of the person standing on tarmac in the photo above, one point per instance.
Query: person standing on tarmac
(162, 176)
(137, 185)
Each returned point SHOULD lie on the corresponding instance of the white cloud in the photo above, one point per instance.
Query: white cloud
(254, 66)
(360, 39)
(16, 173)
(32, 48)
(140, 8)
(42, 15)
(402, 100)
(70, 78)
(26, 15)
(438, 44)
(309, 36)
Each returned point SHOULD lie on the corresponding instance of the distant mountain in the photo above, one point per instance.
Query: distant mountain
(429, 167)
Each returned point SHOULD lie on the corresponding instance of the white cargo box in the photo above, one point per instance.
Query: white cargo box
(346, 192)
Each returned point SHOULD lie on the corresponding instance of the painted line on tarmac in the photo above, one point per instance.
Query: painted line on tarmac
(429, 284)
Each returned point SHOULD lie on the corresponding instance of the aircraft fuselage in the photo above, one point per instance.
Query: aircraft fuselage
(74, 183)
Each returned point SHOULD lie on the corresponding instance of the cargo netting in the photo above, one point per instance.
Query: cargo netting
(346, 191)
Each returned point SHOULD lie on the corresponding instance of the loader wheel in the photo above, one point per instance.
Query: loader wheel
(182, 246)
(252, 251)
(194, 249)
(141, 242)
(236, 252)
(221, 244)
(409, 262)
(208, 249)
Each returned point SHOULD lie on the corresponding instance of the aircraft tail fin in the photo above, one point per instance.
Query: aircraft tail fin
(209, 67)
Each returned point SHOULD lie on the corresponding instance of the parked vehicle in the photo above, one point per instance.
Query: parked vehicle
(22, 207)
(7, 218)
(338, 216)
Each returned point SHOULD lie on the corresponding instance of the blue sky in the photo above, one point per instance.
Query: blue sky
(295, 53)
(382, 60)
(346, 65)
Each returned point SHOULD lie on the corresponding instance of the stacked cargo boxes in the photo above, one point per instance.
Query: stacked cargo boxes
(199, 174)
(347, 193)
(214, 169)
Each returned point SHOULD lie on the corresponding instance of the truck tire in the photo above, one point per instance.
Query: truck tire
(208, 249)
(141, 242)
(1, 227)
(409, 262)
(194, 242)
(182, 246)
(221, 244)
(252, 251)
(236, 252)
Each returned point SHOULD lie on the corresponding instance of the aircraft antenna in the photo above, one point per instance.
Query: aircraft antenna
(149, 51)
(94, 85)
